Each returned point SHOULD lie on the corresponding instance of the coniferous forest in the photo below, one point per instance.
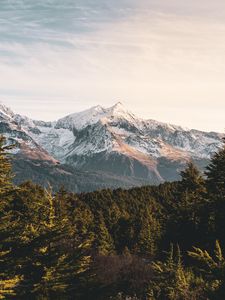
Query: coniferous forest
(154, 242)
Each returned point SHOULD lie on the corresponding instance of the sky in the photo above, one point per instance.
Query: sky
(164, 59)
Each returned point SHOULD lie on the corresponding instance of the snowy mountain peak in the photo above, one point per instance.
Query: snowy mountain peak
(93, 115)
(118, 107)
(6, 111)
(119, 110)
(110, 140)
(118, 113)
(81, 119)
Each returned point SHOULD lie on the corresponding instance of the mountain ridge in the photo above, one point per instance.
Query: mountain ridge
(111, 140)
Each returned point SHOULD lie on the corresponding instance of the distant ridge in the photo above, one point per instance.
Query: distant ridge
(110, 141)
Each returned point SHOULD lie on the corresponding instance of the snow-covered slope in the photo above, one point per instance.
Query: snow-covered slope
(115, 140)
(93, 115)
(18, 131)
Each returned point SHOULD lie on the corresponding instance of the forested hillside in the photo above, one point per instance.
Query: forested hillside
(154, 242)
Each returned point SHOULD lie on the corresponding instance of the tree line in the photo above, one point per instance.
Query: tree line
(154, 242)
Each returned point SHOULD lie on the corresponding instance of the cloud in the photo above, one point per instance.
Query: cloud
(167, 62)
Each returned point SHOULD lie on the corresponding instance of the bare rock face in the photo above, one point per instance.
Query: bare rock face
(111, 141)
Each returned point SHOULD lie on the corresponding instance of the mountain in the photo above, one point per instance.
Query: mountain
(110, 141)
(20, 136)
(32, 162)
(45, 174)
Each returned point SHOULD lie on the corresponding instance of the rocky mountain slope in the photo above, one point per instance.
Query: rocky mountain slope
(110, 141)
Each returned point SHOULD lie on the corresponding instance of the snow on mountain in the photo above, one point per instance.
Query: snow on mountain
(91, 116)
(114, 140)
(5, 112)
(18, 132)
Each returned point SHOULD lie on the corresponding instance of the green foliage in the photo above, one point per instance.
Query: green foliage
(173, 281)
(7, 287)
(215, 173)
(215, 184)
(110, 244)
(186, 210)
(5, 170)
(8, 226)
(192, 179)
(39, 249)
(212, 268)
(103, 240)
(149, 234)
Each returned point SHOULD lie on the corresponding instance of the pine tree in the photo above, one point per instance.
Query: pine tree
(7, 287)
(103, 240)
(192, 179)
(8, 226)
(5, 170)
(149, 234)
(57, 260)
(215, 173)
(192, 198)
(212, 268)
(172, 281)
(215, 183)
(40, 257)
(188, 209)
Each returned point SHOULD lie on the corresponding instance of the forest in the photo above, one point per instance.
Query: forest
(148, 243)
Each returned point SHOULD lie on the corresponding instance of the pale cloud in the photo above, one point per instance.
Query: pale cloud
(162, 64)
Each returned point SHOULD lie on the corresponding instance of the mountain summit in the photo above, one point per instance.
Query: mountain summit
(111, 140)
(118, 109)
(93, 115)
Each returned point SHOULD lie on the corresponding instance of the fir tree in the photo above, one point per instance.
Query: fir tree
(215, 184)
(8, 226)
(172, 281)
(212, 268)
(149, 233)
(187, 209)
(215, 173)
(103, 240)
(5, 170)
(191, 178)
(58, 260)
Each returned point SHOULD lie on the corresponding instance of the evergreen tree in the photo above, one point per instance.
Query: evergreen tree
(149, 233)
(172, 281)
(5, 171)
(8, 225)
(215, 184)
(49, 241)
(215, 173)
(187, 211)
(62, 260)
(192, 179)
(212, 268)
(7, 287)
(103, 240)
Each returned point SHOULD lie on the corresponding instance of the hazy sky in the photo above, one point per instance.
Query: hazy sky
(164, 59)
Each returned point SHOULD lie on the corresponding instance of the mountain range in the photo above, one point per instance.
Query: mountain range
(102, 147)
